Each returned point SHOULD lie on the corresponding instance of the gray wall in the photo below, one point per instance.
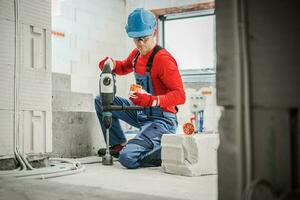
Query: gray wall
(258, 83)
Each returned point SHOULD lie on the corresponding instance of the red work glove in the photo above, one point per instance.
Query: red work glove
(144, 100)
(102, 62)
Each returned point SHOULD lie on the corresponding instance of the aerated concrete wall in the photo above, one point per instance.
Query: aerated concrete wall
(25, 80)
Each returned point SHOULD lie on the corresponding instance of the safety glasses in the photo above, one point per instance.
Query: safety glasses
(143, 39)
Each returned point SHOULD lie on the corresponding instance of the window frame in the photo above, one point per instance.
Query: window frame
(177, 13)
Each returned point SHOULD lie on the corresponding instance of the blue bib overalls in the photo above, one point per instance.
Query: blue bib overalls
(144, 150)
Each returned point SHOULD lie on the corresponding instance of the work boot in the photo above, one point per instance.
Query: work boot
(114, 150)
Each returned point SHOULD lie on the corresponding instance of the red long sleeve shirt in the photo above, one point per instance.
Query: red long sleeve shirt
(166, 80)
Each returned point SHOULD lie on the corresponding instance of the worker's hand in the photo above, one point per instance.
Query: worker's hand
(144, 99)
(103, 62)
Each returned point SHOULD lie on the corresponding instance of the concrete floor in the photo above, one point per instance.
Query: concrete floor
(114, 182)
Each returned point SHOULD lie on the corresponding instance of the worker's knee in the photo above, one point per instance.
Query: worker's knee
(128, 160)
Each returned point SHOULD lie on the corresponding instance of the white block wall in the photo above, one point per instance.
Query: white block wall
(34, 77)
(93, 29)
(6, 132)
(6, 76)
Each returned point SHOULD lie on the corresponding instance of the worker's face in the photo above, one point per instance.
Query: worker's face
(144, 44)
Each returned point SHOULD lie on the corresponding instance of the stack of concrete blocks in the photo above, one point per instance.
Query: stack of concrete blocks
(269, 151)
(31, 101)
(76, 130)
(189, 155)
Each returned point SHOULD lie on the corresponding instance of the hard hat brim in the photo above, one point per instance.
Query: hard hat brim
(139, 34)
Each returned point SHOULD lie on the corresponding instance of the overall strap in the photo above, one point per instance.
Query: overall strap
(150, 60)
(135, 59)
(149, 66)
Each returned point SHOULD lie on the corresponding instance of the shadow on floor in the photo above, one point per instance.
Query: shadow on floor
(47, 190)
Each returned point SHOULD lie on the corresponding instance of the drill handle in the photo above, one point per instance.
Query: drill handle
(121, 108)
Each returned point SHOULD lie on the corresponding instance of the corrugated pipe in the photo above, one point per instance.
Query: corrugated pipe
(28, 165)
(16, 77)
(59, 167)
(56, 169)
(79, 169)
(85, 160)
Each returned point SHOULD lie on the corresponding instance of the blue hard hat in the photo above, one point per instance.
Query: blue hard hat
(140, 23)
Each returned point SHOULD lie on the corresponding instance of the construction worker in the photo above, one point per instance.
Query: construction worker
(157, 72)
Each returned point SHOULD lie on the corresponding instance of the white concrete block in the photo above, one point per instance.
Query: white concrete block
(66, 10)
(48, 133)
(174, 154)
(36, 12)
(35, 131)
(73, 40)
(72, 101)
(7, 9)
(37, 52)
(6, 87)
(85, 84)
(7, 41)
(61, 82)
(83, 17)
(76, 134)
(6, 132)
(36, 48)
(193, 155)
(48, 47)
(35, 90)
